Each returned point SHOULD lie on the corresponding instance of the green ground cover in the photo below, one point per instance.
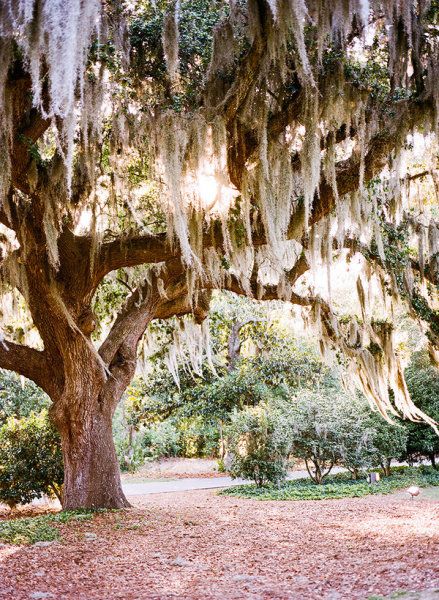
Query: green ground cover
(30, 530)
(337, 486)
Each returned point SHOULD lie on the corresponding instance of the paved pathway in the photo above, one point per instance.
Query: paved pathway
(193, 483)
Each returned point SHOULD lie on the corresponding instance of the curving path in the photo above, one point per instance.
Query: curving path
(194, 483)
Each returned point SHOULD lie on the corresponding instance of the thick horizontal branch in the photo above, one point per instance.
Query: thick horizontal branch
(132, 251)
(28, 362)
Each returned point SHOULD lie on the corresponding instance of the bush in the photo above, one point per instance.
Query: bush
(19, 397)
(199, 437)
(331, 427)
(316, 432)
(161, 440)
(259, 443)
(130, 452)
(30, 459)
(128, 440)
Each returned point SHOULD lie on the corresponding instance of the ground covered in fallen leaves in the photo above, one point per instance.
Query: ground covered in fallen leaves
(198, 545)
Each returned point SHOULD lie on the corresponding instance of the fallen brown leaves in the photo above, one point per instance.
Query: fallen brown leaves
(196, 545)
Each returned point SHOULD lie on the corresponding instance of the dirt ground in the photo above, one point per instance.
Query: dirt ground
(198, 545)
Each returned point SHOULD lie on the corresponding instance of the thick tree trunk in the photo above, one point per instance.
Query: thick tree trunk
(83, 417)
(91, 468)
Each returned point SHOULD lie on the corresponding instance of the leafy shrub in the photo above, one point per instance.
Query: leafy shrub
(128, 440)
(259, 443)
(331, 427)
(161, 440)
(19, 396)
(199, 437)
(315, 432)
(130, 452)
(30, 459)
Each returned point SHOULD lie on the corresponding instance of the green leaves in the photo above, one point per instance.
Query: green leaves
(259, 443)
(423, 383)
(39, 529)
(19, 396)
(338, 486)
(197, 21)
(30, 459)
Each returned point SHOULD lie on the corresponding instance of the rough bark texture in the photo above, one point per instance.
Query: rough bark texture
(92, 476)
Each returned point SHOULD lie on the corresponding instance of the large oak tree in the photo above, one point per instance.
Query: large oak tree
(191, 146)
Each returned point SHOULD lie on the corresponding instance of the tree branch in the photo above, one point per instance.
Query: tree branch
(28, 362)
(249, 69)
(132, 251)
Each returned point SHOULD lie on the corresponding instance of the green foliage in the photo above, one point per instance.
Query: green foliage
(196, 25)
(161, 440)
(389, 441)
(338, 486)
(19, 396)
(130, 452)
(259, 442)
(30, 459)
(315, 430)
(354, 433)
(270, 361)
(129, 448)
(423, 384)
(198, 437)
(40, 529)
(332, 427)
(327, 425)
(109, 298)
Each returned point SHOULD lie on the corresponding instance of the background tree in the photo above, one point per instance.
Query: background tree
(231, 168)
(389, 442)
(423, 383)
(315, 433)
(272, 359)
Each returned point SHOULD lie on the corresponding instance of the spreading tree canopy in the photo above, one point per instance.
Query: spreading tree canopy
(152, 151)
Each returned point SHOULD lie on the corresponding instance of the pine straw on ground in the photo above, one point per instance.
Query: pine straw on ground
(197, 545)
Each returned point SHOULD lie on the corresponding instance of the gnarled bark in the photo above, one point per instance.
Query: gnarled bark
(91, 467)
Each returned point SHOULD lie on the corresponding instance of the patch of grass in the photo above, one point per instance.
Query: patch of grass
(393, 596)
(338, 486)
(405, 595)
(30, 530)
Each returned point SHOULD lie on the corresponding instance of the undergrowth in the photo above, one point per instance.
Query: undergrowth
(30, 530)
(338, 486)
